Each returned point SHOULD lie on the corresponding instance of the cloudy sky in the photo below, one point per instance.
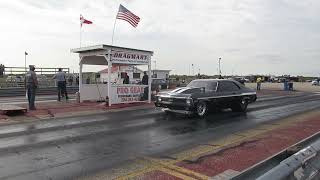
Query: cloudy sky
(251, 36)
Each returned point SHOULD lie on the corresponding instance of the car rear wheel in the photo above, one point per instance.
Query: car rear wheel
(240, 106)
(202, 109)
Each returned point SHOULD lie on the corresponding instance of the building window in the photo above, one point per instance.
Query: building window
(136, 75)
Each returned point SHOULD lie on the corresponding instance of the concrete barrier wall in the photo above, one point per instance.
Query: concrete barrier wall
(307, 87)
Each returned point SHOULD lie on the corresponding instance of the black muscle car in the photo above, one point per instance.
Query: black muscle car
(202, 95)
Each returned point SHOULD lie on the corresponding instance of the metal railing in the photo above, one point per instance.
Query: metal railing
(302, 165)
(40, 70)
(14, 92)
(300, 161)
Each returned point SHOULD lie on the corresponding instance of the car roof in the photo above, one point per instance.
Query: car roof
(219, 80)
(215, 80)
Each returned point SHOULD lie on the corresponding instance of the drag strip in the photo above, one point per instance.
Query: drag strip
(73, 147)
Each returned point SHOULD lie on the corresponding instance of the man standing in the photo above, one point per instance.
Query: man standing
(31, 85)
(70, 79)
(1, 70)
(259, 80)
(126, 79)
(60, 78)
(145, 81)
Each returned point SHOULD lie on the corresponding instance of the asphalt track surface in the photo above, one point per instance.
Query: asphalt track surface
(70, 148)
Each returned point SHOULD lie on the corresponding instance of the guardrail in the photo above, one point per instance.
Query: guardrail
(287, 168)
(291, 163)
(12, 92)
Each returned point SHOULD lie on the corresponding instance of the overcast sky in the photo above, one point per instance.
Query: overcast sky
(251, 36)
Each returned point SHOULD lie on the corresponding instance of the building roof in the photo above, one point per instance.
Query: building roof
(106, 47)
(160, 70)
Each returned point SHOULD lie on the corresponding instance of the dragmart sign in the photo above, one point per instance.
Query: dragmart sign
(123, 57)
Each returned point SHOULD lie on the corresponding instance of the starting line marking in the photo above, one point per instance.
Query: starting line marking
(175, 174)
(170, 165)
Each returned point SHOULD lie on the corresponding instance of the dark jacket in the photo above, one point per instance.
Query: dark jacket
(145, 80)
(126, 80)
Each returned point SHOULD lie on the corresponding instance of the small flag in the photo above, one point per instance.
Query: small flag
(25, 53)
(84, 21)
(126, 15)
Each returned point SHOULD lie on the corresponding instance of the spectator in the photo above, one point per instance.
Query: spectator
(145, 79)
(2, 68)
(77, 80)
(60, 77)
(259, 80)
(31, 85)
(70, 79)
(126, 79)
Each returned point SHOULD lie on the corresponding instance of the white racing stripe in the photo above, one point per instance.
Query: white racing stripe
(234, 95)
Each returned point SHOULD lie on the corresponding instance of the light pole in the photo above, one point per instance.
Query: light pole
(25, 62)
(219, 67)
(155, 64)
(192, 70)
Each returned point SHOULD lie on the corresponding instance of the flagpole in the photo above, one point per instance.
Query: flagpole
(80, 34)
(114, 27)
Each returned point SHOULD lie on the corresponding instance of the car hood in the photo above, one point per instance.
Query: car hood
(179, 92)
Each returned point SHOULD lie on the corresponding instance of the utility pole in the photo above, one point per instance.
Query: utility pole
(25, 62)
(155, 64)
(219, 67)
(192, 70)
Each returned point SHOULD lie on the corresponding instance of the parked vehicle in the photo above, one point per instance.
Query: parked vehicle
(240, 80)
(315, 82)
(158, 84)
(202, 95)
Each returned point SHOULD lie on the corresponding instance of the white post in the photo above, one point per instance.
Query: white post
(80, 76)
(149, 80)
(109, 75)
(80, 34)
(25, 63)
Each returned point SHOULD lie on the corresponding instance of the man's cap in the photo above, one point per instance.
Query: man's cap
(30, 66)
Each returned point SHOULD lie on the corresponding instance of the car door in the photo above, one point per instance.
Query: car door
(208, 87)
(227, 93)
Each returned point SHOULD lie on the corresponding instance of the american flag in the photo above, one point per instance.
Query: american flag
(125, 14)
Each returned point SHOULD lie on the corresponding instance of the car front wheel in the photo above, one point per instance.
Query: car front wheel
(202, 109)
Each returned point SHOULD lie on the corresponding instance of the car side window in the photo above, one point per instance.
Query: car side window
(227, 86)
(211, 86)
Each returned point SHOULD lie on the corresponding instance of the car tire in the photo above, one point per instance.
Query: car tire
(202, 109)
(241, 106)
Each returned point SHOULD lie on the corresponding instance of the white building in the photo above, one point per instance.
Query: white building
(160, 74)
